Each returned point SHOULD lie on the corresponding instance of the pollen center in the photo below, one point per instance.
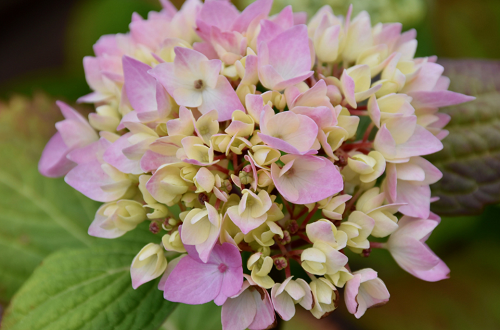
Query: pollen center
(198, 84)
(222, 268)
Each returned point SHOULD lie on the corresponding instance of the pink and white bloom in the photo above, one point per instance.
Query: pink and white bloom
(96, 179)
(72, 133)
(194, 282)
(408, 248)
(288, 132)
(289, 293)
(251, 212)
(363, 291)
(306, 179)
(195, 81)
(251, 308)
(147, 97)
(201, 228)
(409, 182)
(405, 141)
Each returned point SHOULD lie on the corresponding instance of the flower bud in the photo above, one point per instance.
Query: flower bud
(159, 211)
(173, 242)
(325, 297)
(245, 177)
(370, 167)
(148, 264)
(280, 263)
(260, 267)
(106, 118)
(188, 172)
(115, 219)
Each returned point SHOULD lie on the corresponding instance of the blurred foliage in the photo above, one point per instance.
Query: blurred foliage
(470, 160)
(408, 12)
(187, 317)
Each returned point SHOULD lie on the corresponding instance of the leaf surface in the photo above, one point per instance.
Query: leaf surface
(470, 160)
(86, 289)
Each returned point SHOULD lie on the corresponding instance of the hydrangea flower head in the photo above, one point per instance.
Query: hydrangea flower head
(250, 125)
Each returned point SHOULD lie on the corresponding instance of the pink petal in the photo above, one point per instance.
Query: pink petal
(53, 162)
(88, 178)
(139, 85)
(322, 116)
(239, 312)
(313, 179)
(422, 142)
(351, 293)
(114, 156)
(257, 10)
(299, 141)
(152, 160)
(265, 311)
(426, 79)
(222, 98)
(416, 196)
(289, 56)
(192, 282)
(437, 99)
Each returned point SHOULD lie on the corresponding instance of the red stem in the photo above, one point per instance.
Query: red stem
(289, 209)
(356, 145)
(368, 131)
(309, 216)
(377, 245)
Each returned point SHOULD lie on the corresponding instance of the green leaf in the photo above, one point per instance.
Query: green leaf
(188, 317)
(87, 289)
(470, 160)
(39, 215)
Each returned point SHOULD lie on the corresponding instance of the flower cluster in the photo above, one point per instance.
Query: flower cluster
(250, 124)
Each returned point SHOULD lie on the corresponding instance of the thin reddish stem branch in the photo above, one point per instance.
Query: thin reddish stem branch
(301, 214)
(377, 245)
(304, 237)
(287, 205)
(356, 145)
(220, 168)
(368, 131)
(359, 112)
(235, 160)
(309, 216)
(353, 200)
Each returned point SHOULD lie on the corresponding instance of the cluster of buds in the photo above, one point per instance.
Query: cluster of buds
(249, 124)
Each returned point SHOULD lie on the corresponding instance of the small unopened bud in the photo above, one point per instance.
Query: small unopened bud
(245, 177)
(366, 252)
(280, 263)
(247, 168)
(161, 129)
(228, 185)
(154, 227)
(342, 158)
(202, 198)
(293, 227)
(287, 238)
(265, 250)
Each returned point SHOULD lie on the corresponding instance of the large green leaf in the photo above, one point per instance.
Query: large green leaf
(188, 317)
(38, 215)
(87, 289)
(470, 160)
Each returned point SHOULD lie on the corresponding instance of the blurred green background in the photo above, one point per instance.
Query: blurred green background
(42, 44)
